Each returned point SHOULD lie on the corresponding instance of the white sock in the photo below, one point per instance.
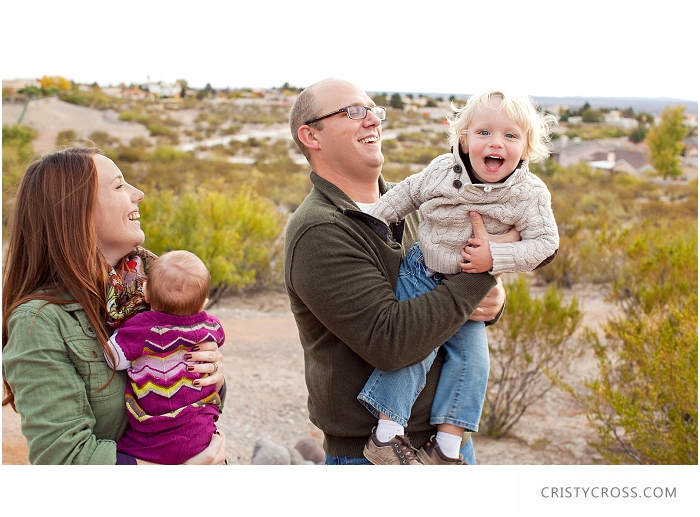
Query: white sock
(449, 444)
(387, 429)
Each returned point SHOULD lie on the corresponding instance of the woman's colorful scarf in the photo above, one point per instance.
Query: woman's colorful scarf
(125, 286)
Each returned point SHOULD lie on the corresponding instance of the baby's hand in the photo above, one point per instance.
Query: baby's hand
(477, 257)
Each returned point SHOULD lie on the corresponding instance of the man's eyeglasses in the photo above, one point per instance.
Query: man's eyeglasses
(354, 113)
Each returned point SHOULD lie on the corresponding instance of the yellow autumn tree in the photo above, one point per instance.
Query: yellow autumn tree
(59, 83)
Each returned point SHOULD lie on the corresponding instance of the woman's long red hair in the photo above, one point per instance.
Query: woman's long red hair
(52, 248)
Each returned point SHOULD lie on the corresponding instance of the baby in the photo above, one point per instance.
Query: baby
(171, 417)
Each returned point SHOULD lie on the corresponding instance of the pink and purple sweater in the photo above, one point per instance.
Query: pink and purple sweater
(170, 418)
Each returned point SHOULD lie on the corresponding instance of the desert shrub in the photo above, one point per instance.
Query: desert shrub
(131, 154)
(66, 138)
(165, 154)
(643, 402)
(161, 130)
(17, 154)
(178, 171)
(232, 130)
(237, 236)
(140, 142)
(127, 116)
(418, 153)
(638, 134)
(102, 139)
(421, 137)
(92, 99)
(391, 143)
(589, 205)
(596, 132)
(528, 347)
(394, 173)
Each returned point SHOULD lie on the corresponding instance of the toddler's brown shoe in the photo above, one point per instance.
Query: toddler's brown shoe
(430, 454)
(397, 451)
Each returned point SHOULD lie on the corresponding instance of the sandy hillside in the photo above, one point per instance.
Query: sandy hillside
(50, 115)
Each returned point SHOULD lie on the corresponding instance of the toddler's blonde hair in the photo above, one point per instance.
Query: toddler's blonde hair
(519, 108)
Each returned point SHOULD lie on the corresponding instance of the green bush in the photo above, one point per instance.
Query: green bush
(165, 154)
(237, 236)
(418, 153)
(92, 99)
(66, 138)
(17, 154)
(102, 139)
(644, 400)
(131, 154)
(127, 116)
(159, 129)
(530, 345)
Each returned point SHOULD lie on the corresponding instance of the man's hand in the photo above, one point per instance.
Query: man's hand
(490, 306)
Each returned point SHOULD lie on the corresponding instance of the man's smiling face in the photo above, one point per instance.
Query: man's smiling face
(348, 145)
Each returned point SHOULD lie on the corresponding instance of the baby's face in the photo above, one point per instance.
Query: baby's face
(495, 144)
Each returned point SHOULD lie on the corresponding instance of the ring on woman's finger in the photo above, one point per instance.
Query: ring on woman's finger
(216, 368)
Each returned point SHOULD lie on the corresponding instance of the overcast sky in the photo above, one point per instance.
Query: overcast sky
(596, 48)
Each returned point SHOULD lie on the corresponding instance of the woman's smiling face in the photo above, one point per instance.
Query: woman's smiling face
(494, 142)
(116, 212)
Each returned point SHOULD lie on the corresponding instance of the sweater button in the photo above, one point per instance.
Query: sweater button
(488, 189)
(93, 354)
(457, 184)
(457, 168)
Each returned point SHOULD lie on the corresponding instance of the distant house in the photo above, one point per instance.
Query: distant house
(162, 89)
(134, 93)
(616, 155)
(567, 151)
(613, 165)
(434, 113)
(689, 166)
(112, 91)
(615, 118)
(636, 156)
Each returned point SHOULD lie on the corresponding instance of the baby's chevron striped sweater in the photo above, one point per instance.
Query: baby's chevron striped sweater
(170, 418)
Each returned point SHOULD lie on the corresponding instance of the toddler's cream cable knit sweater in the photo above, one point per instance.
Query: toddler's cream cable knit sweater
(521, 201)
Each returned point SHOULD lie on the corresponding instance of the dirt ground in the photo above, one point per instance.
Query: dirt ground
(266, 398)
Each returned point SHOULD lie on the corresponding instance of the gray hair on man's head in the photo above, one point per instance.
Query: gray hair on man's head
(305, 108)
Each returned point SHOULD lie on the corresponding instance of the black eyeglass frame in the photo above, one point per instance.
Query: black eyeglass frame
(346, 110)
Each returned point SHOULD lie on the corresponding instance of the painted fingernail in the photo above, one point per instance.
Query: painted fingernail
(195, 348)
(188, 357)
(196, 383)
(190, 368)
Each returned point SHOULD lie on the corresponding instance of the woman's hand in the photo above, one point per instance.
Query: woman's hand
(207, 358)
(214, 454)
